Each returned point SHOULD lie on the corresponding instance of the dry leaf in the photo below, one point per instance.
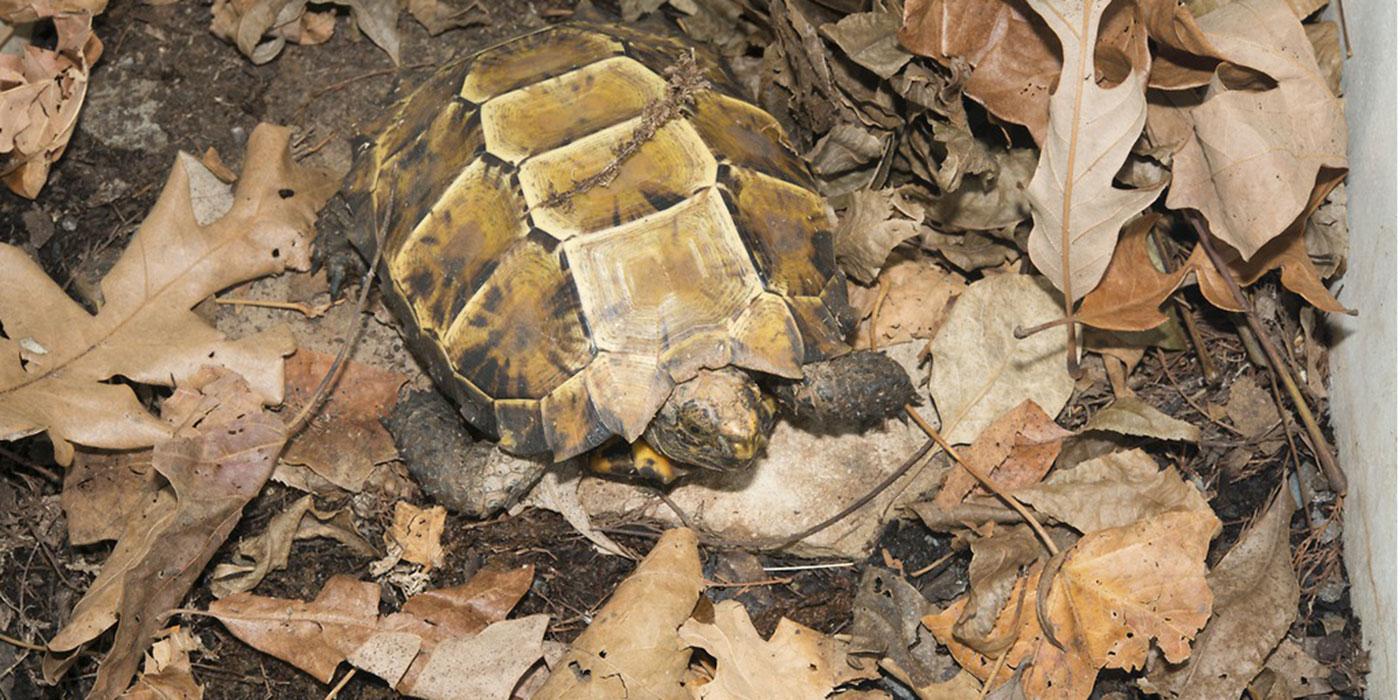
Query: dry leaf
(213, 470)
(1326, 235)
(166, 675)
(885, 623)
(795, 663)
(997, 561)
(102, 489)
(1117, 590)
(438, 16)
(869, 229)
(988, 203)
(909, 301)
(1112, 491)
(1256, 599)
(980, 370)
(1251, 409)
(1326, 43)
(1132, 416)
(1250, 155)
(1132, 290)
(868, 38)
(845, 159)
(1287, 253)
(345, 441)
(418, 534)
(632, 649)
(57, 357)
(1016, 450)
(557, 492)
(1078, 211)
(1302, 675)
(1015, 59)
(343, 623)
(261, 28)
(267, 551)
(42, 91)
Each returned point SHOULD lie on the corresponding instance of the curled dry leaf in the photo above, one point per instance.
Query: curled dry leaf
(979, 369)
(1265, 132)
(223, 451)
(1132, 416)
(267, 551)
(57, 358)
(345, 441)
(868, 38)
(1016, 450)
(1326, 235)
(1256, 599)
(632, 649)
(166, 675)
(875, 222)
(437, 16)
(885, 623)
(41, 93)
(343, 624)
(795, 663)
(845, 159)
(1116, 591)
(1115, 490)
(261, 28)
(1078, 211)
(416, 533)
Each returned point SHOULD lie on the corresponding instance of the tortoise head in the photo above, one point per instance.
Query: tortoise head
(718, 420)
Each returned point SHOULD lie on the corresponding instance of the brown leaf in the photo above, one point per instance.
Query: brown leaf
(845, 159)
(1132, 416)
(42, 90)
(1132, 290)
(1112, 491)
(997, 561)
(795, 663)
(345, 441)
(1252, 153)
(437, 16)
(1117, 590)
(868, 38)
(57, 357)
(1078, 211)
(1016, 450)
(417, 533)
(979, 369)
(102, 489)
(261, 28)
(166, 675)
(1326, 43)
(26, 11)
(485, 665)
(1256, 599)
(267, 551)
(988, 203)
(632, 647)
(343, 623)
(213, 471)
(1251, 409)
(870, 228)
(910, 300)
(885, 622)
(1326, 235)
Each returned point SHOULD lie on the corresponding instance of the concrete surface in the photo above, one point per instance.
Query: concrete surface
(1364, 357)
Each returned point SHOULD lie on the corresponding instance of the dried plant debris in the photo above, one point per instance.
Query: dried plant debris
(261, 28)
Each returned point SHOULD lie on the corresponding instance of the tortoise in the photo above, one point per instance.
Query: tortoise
(593, 240)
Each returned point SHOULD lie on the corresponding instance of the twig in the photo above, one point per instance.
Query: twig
(340, 84)
(811, 567)
(936, 563)
(985, 480)
(1342, 20)
(1166, 369)
(1321, 448)
(27, 464)
(996, 668)
(339, 686)
(21, 643)
(747, 584)
(301, 308)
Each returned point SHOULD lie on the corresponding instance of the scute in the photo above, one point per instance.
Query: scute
(559, 309)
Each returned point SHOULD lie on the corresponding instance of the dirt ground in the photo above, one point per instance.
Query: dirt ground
(166, 84)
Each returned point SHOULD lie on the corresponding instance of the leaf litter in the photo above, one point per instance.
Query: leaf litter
(917, 135)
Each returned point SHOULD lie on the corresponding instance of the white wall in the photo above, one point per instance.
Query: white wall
(1364, 358)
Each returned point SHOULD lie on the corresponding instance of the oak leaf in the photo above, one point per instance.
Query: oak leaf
(979, 369)
(1264, 133)
(1077, 210)
(795, 663)
(632, 649)
(56, 359)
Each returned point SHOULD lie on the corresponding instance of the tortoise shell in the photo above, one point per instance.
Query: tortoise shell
(557, 322)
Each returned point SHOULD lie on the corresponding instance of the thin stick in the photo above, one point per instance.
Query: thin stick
(1342, 20)
(811, 567)
(746, 584)
(1193, 333)
(996, 669)
(303, 309)
(1166, 369)
(341, 685)
(21, 643)
(986, 482)
(1321, 448)
(936, 563)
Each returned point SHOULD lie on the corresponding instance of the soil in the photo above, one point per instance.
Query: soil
(166, 84)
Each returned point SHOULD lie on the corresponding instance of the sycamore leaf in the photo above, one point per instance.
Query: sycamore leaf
(213, 470)
(1256, 600)
(796, 663)
(56, 358)
(465, 624)
(1253, 147)
(1077, 209)
(1132, 290)
(1117, 590)
(631, 649)
(1112, 491)
(979, 369)
(1016, 450)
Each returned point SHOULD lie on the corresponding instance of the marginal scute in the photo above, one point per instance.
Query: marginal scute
(533, 57)
(821, 335)
(783, 225)
(446, 257)
(553, 112)
(631, 386)
(520, 336)
(766, 339)
(571, 424)
(660, 50)
(521, 426)
(407, 120)
(667, 168)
